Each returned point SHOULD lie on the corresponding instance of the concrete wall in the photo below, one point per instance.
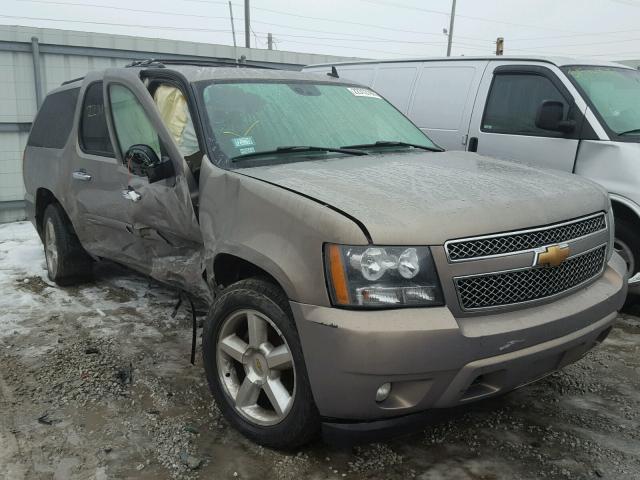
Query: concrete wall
(64, 55)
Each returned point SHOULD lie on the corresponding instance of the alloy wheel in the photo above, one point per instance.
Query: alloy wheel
(255, 367)
(50, 248)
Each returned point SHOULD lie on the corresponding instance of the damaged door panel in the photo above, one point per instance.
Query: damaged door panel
(156, 210)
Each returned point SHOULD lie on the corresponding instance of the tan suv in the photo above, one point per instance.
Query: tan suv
(356, 272)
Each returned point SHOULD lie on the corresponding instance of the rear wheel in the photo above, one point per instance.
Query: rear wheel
(67, 261)
(255, 367)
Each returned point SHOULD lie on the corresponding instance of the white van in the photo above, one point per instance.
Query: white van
(561, 113)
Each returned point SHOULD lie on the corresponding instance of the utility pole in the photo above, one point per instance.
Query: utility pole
(500, 46)
(233, 31)
(247, 25)
(269, 41)
(451, 20)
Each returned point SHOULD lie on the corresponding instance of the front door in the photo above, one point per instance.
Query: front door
(504, 125)
(160, 213)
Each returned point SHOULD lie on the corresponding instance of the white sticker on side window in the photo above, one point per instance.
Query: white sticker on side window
(363, 92)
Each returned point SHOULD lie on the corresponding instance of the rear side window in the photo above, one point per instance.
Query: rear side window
(513, 103)
(94, 134)
(54, 120)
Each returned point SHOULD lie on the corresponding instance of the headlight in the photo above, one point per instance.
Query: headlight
(374, 276)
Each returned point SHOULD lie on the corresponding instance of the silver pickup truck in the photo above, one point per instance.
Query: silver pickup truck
(356, 272)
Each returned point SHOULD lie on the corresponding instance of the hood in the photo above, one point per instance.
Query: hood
(426, 198)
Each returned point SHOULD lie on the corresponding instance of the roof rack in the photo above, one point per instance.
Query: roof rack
(67, 82)
(163, 62)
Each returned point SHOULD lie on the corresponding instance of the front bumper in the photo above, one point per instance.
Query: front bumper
(434, 360)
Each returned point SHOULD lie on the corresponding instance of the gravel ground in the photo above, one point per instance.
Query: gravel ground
(95, 382)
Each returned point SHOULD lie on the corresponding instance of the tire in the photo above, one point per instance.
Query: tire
(627, 244)
(67, 261)
(263, 303)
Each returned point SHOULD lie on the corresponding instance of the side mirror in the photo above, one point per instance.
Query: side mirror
(549, 117)
(143, 161)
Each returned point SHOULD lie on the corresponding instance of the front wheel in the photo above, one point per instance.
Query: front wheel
(255, 367)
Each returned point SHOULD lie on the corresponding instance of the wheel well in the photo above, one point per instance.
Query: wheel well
(228, 269)
(44, 198)
(622, 212)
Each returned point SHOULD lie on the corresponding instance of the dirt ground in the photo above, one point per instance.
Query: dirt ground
(95, 382)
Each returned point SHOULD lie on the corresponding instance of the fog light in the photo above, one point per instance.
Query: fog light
(383, 392)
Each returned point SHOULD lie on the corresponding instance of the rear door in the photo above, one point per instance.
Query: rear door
(503, 121)
(96, 206)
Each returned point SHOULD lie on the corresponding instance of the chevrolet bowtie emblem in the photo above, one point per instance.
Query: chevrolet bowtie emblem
(551, 256)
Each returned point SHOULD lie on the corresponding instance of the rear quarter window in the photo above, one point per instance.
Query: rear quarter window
(54, 120)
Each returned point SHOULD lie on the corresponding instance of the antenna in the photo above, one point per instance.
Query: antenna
(333, 73)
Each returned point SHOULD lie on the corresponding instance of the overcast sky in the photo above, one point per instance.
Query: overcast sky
(607, 29)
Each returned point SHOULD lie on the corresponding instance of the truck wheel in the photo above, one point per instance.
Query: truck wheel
(627, 244)
(255, 367)
(67, 261)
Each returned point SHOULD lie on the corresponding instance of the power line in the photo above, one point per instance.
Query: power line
(153, 27)
(591, 34)
(581, 44)
(440, 12)
(348, 22)
(210, 17)
(123, 9)
(382, 40)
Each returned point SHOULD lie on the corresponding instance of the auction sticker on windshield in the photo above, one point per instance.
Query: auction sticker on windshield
(243, 142)
(363, 92)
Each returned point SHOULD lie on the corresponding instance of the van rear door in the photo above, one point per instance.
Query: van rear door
(503, 123)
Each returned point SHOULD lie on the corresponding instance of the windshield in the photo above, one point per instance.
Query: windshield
(615, 94)
(249, 118)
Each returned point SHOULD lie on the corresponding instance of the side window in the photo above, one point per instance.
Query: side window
(130, 121)
(94, 135)
(55, 119)
(513, 104)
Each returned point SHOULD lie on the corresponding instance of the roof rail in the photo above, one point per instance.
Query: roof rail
(163, 62)
(71, 81)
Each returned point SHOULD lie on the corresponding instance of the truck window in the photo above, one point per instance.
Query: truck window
(513, 103)
(130, 121)
(54, 120)
(94, 134)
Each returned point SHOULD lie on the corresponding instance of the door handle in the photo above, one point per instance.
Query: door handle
(80, 175)
(473, 144)
(131, 194)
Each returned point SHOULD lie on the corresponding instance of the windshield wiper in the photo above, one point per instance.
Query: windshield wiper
(298, 149)
(390, 143)
(635, 130)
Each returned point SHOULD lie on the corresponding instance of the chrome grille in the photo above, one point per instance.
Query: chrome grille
(524, 240)
(518, 286)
